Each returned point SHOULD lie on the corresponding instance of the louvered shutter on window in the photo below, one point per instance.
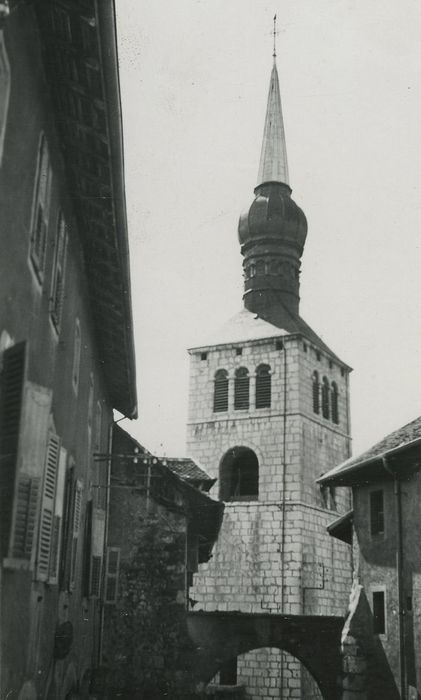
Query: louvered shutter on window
(58, 518)
(29, 415)
(48, 507)
(111, 574)
(77, 519)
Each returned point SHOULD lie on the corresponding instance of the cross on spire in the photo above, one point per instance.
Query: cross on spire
(275, 33)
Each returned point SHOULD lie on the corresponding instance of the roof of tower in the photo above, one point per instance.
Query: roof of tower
(248, 326)
(273, 159)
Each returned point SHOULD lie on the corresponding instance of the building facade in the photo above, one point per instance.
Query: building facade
(66, 346)
(268, 413)
(383, 528)
(162, 525)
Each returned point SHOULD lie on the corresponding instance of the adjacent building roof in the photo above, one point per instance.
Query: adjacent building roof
(369, 464)
(80, 49)
(189, 471)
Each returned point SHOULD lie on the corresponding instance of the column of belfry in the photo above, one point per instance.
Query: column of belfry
(268, 413)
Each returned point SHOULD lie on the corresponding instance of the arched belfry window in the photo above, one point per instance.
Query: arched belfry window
(316, 392)
(325, 398)
(220, 393)
(334, 403)
(263, 387)
(239, 475)
(241, 389)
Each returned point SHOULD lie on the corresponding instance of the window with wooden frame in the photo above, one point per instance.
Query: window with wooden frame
(379, 611)
(40, 209)
(316, 392)
(263, 387)
(241, 389)
(24, 415)
(59, 267)
(77, 347)
(377, 512)
(112, 571)
(4, 91)
(97, 552)
(220, 394)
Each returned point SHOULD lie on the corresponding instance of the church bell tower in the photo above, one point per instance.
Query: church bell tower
(268, 413)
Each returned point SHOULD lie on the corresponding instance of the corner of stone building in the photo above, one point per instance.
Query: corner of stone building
(366, 674)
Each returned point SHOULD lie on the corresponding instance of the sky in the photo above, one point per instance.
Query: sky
(194, 80)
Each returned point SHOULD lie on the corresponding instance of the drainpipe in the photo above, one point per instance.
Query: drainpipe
(399, 566)
(284, 468)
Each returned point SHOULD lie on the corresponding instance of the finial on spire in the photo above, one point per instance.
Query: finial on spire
(274, 37)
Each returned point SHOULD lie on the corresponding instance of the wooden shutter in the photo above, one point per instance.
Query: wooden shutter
(76, 523)
(29, 466)
(58, 518)
(98, 535)
(111, 574)
(48, 507)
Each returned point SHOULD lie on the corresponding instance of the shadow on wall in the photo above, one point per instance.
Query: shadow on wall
(365, 665)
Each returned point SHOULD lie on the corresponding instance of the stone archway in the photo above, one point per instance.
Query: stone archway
(239, 475)
(313, 640)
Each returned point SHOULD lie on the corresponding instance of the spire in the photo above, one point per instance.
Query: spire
(273, 159)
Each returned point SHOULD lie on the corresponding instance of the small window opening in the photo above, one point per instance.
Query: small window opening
(376, 513)
(318, 356)
(342, 372)
(263, 387)
(334, 403)
(330, 364)
(316, 392)
(228, 672)
(241, 389)
(220, 394)
(379, 617)
(279, 345)
(409, 603)
(203, 355)
(305, 347)
(238, 351)
(325, 398)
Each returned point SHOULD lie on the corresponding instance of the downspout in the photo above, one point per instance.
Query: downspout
(284, 468)
(399, 566)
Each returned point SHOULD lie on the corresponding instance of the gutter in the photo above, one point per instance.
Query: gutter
(399, 570)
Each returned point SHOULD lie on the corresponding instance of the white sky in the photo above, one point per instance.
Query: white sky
(194, 78)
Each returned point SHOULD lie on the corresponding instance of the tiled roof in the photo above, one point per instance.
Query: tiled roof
(399, 438)
(187, 469)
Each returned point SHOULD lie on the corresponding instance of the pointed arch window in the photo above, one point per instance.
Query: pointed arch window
(263, 387)
(241, 389)
(220, 393)
(334, 403)
(316, 392)
(325, 398)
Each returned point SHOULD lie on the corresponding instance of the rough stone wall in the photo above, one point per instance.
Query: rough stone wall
(249, 562)
(145, 635)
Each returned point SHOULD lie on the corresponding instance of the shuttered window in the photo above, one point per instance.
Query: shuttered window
(111, 574)
(263, 387)
(76, 525)
(38, 244)
(97, 549)
(220, 396)
(56, 538)
(48, 507)
(334, 403)
(57, 287)
(241, 389)
(316, 392)
(325, 398)
(24, 411)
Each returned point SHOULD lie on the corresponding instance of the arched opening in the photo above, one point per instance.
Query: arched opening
(263, 674)
(241, 389)
(316, 392)
(263, 387)
(334, 403)
(239, 475)
(325, 398)
(220, 394)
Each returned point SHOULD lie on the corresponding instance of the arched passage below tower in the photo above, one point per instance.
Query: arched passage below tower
(313, 640)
